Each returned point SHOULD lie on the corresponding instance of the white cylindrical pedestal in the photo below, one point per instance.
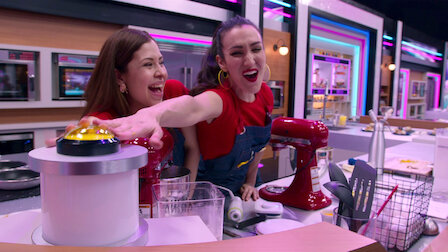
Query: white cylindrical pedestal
(89, 201)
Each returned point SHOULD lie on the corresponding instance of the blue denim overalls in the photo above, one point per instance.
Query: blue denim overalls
(230, 170)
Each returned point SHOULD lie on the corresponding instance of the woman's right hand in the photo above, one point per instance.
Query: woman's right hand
(136, 125)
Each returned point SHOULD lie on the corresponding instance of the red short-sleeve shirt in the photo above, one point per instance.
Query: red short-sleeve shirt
(216, 139)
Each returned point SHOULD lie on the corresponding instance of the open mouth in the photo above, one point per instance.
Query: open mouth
(156, 88)
(251, 75)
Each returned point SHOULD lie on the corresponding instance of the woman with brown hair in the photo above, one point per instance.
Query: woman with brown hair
(231, 107)
(130, 75)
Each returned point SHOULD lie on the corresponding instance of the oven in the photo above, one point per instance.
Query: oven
(277, 92)
(71, 73)
(17, 75)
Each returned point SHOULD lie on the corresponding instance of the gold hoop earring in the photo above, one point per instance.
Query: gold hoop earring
(224, 74)
(267, 78)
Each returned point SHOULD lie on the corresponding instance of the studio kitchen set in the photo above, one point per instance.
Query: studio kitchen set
(89, 185)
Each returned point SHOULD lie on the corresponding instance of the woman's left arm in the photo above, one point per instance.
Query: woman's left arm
(248, 189)
(192, 153)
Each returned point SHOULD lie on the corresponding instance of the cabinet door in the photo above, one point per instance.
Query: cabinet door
(175, 64)
(194, 63)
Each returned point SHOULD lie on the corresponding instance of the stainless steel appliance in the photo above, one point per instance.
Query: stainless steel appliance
(183, 62)
(18, 75)
(15, 146)
(277, 92)
(71, 73)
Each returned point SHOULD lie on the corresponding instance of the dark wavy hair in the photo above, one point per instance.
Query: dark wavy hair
(208, 76)
(102, 92)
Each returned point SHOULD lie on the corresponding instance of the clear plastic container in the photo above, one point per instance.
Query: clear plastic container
(202, 199)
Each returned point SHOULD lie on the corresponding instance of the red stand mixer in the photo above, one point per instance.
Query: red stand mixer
(305, 136)
(150, 174)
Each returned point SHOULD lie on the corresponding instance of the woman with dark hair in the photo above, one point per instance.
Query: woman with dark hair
(130, 75)
(231, 107)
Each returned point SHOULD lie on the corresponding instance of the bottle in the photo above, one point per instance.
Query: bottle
(377, 147)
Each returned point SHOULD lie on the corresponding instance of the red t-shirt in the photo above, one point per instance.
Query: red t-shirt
(216, 139)
(173, 88)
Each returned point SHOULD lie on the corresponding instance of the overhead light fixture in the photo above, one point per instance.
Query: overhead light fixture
(282, 49)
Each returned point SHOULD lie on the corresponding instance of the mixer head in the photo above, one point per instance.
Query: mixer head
(298, 133)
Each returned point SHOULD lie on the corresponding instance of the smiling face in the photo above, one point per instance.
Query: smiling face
(244, 60)
(145, 77)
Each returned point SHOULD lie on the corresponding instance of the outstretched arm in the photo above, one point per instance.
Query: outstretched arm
(178, 112)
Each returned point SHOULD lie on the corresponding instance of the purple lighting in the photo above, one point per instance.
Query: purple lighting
(232, 1)
(423, 54)
(387, 43)
(404, 98)
(277, 12)
(361, 72)
(197, 41)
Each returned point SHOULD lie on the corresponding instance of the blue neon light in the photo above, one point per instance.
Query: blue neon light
(366, 60)
(355, 75)
(388, 37)
(421, 48)
(280, 3)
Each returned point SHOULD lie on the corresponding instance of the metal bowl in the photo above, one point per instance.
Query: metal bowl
(17, 179)
(6, 164)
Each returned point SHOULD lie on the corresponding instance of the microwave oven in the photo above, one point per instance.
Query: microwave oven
(18, 74)
(277, 92)
(71, 73)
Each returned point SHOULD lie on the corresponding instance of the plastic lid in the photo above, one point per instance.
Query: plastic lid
(276, 225)
(89, 133)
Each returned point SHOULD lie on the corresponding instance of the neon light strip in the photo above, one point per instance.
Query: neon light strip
(437, 89)
(277, 12)
(363, 92)
(179, 40)
(360, 95)
(388, 37)
(421, 48)
(404, 94)
(280, 3)
(423, 54)
(356, 62)
(232, 1)
(387, 43)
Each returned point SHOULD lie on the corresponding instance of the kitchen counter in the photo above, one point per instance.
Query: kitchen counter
(352, 137)
(309, 237)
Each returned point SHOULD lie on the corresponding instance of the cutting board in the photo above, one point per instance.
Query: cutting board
(408, 165)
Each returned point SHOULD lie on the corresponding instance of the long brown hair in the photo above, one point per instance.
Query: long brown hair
(208, 76)
(102, 93)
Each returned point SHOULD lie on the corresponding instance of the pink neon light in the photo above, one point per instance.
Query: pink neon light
(277, 12)
(181, 39)
(232, 1)
(360, 87)
(437, 89)
(426, 55)
(405, 90)
(387, 43)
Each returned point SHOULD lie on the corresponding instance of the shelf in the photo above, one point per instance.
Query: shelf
(41, 104)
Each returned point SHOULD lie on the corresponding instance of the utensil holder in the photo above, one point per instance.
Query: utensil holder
(403, 224)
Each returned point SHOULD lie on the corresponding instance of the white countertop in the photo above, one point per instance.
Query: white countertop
(354, 138)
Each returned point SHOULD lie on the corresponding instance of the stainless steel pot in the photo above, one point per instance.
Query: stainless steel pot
(18, 178)
(6, 164)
